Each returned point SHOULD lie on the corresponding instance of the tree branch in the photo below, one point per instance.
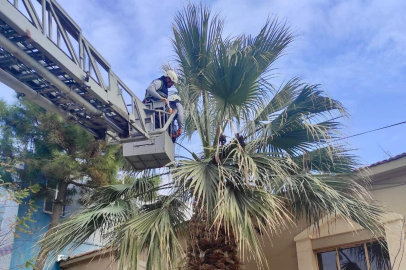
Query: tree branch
(81, 185)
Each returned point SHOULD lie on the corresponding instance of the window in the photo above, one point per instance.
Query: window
(49, 200)
(327, 260)
(366, 256)
(378, 256)
(3, 196)
(3, 202)
(2, 211)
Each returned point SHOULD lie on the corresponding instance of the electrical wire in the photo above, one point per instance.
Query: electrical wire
(397, 124)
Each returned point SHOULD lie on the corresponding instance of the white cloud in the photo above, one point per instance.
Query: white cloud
(354, 48)
(133, 36)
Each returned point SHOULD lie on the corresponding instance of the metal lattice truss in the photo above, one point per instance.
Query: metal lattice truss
(43, 32)
(44, 55)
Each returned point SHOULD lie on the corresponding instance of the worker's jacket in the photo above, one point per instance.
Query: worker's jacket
(179, 115)
(157, 89)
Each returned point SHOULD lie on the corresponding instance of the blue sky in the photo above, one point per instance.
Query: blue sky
(355, 49)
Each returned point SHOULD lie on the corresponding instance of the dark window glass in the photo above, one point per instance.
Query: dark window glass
(49, 201)
(48, 205)
(327, 260)
(378, 256)
(352, 258)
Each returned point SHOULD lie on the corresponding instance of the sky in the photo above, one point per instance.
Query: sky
(356, 51)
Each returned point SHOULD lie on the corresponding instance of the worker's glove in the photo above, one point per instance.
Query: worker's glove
(165, 100)
(179, 132)
(170, 110)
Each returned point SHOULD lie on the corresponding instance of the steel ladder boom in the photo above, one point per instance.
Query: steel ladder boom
(44, 55)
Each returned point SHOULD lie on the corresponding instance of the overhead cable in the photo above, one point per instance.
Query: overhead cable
(397, 124)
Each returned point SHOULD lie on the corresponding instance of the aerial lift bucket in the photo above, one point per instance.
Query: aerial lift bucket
(150, 153)
(157, 150)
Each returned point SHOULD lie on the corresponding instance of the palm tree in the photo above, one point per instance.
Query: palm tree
(268, 158)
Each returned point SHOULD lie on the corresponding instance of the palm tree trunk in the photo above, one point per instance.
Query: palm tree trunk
(211, 249)
(56, 215)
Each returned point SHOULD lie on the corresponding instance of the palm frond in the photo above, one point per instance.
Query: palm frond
(313, 196)
(269, 44)
(75, 230)
(232, 81)
(311, 119)
(201, 179)
(235, 79)
(144, 189)
(283, 97)
(245, 164)
(196, 34)
(248, 214)
(154, 233)
(327, 159)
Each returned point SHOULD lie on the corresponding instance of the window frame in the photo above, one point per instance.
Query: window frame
(335, 249)
(45, 200)
(2, 214)
(3, 196)
(45, 203)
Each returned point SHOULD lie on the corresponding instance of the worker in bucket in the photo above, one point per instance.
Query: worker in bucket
(174, 104)
(158, 89)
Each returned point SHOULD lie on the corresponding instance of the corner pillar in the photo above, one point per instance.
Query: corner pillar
(305, 255)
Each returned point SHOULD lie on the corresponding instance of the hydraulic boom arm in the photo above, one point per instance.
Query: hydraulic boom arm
(44, 55)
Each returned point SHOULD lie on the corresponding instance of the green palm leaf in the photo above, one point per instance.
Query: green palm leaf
(155, 231)
(327, 159)
(196, 35)
(313, 196)
(143, 189)
(201, 180)
(307, 121)
(74, 231)
(249, 213)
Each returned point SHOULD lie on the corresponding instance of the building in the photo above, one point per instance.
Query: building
(93, 260)
(8, 213)
(336, 246)
(18, 248)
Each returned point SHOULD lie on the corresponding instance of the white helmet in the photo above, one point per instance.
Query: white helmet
(172, 75)
(174, 97)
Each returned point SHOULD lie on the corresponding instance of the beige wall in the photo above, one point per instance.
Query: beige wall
(394, 198)
(98, 261)
(281, 251)
(89, 264)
